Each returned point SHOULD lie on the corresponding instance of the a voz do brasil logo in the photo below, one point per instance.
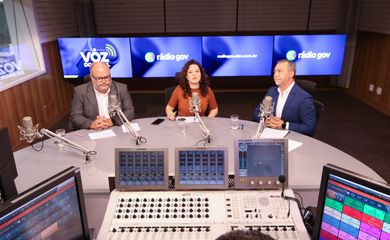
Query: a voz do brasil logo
(292, 55)
(99, 55)
(9, 67)
(151, 57)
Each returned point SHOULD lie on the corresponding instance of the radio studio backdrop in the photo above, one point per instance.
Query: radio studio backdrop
(221, 56)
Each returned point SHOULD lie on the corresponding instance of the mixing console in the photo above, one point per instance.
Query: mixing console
(199, 215)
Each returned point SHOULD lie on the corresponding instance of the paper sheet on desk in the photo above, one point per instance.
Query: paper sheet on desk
(189, 119)
(273, 133)
(276, 133)
(135, 126)
(101, 134)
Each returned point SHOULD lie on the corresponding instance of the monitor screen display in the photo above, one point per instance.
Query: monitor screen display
(351, 206)
(313, 54)
(201, 168)
(77, 55)
(237, 55)
(163, 56)
(53, 209)
(260, 162)
(141, 168)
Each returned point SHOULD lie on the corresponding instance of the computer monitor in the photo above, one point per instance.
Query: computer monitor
(163, 56)
(201, 168)
(8, 171)
(53, 209)
(237, 55)
(316, 54)
(351, 206)
(141, 169)
(77, 55)
(260, 162)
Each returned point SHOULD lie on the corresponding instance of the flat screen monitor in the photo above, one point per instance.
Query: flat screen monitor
(201, 168)
(237, 55)
(77, 55)
(163, 56)
(260, 162)
(351, 206)
(53, 209)
(313, 54)
(141, 169)
(8, 171)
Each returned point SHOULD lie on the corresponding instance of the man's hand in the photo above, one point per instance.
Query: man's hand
(274, 122)
(101, 123)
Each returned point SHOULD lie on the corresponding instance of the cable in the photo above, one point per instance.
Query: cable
(38, 149)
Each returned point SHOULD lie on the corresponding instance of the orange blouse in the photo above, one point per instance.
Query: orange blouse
(184, 107)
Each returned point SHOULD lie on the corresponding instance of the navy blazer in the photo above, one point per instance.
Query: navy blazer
(298, 110)
(85, 107)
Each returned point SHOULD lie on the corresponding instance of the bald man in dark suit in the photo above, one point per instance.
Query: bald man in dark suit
(90, 100)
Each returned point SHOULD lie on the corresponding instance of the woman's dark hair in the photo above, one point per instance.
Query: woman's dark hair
(183, 82)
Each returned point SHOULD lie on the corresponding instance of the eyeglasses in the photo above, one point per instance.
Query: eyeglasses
(101, 79)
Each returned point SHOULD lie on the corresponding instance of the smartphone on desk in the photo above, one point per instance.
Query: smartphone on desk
(158, 121)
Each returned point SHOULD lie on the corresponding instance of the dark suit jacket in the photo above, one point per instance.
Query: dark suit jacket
(298, 110)
(85, 107)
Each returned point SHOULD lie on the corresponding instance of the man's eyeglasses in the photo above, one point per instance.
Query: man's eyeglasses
(101, 79)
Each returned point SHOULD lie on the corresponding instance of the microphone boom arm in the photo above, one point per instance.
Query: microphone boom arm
(68, 143)
(132, 132)
(202, 126)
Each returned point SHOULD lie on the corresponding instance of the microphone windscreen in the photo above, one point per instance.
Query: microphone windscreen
(27, 122)
(113, 100)
(267, 102)
(195, 97)
(282, 179)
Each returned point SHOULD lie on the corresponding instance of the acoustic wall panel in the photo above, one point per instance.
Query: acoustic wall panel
(127, 17)
(200, 16)
(276, 15)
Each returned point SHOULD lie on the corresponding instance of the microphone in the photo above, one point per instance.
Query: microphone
(195, 102)
(195, 108)
(29, 132)
(112, 104)
(115, 109)
(266, 110)
(282, 179)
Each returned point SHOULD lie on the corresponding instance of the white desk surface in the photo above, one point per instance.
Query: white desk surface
(305, 162)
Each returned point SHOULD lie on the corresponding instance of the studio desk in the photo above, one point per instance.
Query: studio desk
(304, 166)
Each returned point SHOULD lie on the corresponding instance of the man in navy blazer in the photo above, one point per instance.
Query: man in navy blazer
(90, 100)
(293, 107)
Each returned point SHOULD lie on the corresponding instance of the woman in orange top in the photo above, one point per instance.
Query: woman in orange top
(192, 79)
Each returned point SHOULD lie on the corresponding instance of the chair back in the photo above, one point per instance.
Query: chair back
(307, 85)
